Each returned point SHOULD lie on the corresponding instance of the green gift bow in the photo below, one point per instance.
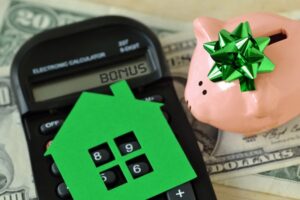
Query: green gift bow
(238, 55)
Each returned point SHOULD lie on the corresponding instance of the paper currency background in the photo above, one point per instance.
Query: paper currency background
(22, 19)
(272, 159)
(16, 181)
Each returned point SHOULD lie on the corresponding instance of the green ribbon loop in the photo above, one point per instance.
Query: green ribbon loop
(238, 55)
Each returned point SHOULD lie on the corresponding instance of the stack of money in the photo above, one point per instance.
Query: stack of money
(268, 162)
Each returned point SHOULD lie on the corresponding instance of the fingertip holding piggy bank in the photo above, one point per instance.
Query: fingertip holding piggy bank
(244, 75)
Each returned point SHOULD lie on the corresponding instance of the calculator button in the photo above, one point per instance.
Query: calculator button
(182, 192)
(63, 191)
(55, 170)
(127, 143)
(113, 177)
(101, 156)
(139, 169)
(129, 147)
(155, 98)
(51, 126)
(109, 177)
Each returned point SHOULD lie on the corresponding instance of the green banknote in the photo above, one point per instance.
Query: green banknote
(23, 19)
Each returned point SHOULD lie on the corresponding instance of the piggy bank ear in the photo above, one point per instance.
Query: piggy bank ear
(208, 28)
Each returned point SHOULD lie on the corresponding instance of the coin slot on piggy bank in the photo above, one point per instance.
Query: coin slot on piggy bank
(278, 36)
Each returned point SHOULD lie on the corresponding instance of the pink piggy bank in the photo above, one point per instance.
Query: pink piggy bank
(277, 96)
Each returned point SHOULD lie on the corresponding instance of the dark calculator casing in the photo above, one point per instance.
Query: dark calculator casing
(33, 66)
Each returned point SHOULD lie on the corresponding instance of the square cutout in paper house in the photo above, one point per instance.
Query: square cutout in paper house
(118, 147)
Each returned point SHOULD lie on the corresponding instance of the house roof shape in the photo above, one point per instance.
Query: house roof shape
(97, 119)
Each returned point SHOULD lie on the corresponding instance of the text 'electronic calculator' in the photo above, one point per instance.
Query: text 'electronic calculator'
(52, 69)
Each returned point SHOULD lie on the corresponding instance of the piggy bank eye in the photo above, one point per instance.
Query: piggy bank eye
(204, 92)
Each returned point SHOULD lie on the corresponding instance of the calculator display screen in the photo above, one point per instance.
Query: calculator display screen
(97, 78)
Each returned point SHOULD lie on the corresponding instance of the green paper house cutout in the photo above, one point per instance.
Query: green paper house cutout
(97, 119)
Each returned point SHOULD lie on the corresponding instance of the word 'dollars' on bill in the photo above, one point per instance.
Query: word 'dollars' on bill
(251, 159)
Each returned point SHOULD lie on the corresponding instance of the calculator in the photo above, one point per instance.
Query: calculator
(51, 71)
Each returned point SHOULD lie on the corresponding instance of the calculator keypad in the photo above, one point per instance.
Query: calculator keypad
(138, 166)
(114, 177)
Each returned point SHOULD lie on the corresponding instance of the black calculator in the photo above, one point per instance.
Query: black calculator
(53, 68)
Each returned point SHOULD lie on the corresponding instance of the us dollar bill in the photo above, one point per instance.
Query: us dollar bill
(24, 18)
(226, 155)
(283, 182)
(16, 179)
(229, 155)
